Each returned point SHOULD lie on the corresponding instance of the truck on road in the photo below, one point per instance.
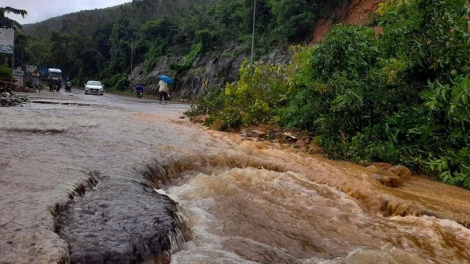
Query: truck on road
(51, 71)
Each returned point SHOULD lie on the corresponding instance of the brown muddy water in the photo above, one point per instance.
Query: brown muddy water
(171, 191)
(258, 204)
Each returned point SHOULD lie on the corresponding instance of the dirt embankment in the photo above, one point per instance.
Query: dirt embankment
(356, 12)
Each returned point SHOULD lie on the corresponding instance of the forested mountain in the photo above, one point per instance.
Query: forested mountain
(87, 19)
(99, 43)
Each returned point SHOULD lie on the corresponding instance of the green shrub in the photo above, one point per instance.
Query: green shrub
(188, 61)
(5, 71)
(254, 99)
(157, 49)
(400, 97)
(209, 102)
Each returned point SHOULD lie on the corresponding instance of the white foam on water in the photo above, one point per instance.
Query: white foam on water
(387, 255)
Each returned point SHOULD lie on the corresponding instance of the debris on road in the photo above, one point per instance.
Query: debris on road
(9, 99)
(199, 119)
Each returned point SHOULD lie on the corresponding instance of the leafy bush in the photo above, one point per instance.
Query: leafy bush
(209, 102)
(5, 71)
(255, 98)
(188, 61)
(157, 49)
(399, 97)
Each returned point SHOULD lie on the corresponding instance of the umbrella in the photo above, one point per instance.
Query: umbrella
(166, 79)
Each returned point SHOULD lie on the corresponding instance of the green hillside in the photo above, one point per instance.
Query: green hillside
(399, 96)
(98, 43)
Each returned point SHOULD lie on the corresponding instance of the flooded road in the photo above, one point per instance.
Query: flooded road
(260, 204)
(169, 191)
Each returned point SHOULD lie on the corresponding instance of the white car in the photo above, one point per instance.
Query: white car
(94, 87)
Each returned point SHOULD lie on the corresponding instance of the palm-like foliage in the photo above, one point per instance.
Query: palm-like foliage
(7, 22)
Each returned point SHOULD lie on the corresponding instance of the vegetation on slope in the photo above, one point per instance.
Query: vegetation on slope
(400, 97)
(87, 45)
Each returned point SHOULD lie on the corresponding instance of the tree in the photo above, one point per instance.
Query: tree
(10, 23)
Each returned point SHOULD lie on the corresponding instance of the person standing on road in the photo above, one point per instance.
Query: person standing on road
(35, 80)
(68, 85)
(163, 91)
(50, 82)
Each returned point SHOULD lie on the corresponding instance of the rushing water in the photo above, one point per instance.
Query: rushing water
(258, 204)
(243, 202)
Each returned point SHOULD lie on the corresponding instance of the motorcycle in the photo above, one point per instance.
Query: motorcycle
(68, 87)
(54, 86)
(140, 94)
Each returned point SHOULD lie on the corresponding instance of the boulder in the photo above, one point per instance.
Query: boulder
(388, 179)
(401, 171)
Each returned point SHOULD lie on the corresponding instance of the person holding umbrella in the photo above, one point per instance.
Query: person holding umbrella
(164, 91)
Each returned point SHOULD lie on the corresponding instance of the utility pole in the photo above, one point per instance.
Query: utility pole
(132, 63)
(12, 63)
(253, 37)
(132, 59)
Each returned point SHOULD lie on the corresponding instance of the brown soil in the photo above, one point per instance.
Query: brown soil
(356, 12)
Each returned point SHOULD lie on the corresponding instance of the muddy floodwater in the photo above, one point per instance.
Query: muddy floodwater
(108, 179)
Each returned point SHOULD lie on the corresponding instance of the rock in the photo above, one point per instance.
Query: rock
(256, 133)
(301, 143)
(401, 171)
(207, 70)
(388, 179)
(285, 137)
(381, 165)
(199, 119)
(217, 125)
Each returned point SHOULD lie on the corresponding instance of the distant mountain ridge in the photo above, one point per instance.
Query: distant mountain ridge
(44, 28)
(90, 19)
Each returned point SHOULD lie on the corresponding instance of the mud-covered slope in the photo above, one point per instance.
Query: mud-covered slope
(356, 12)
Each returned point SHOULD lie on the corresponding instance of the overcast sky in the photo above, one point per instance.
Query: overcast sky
(39, 10)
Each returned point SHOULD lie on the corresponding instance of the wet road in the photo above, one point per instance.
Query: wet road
(50, 148)
(219, 199)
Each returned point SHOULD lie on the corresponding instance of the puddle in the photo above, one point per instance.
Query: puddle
(59, 103)
(34, 130)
